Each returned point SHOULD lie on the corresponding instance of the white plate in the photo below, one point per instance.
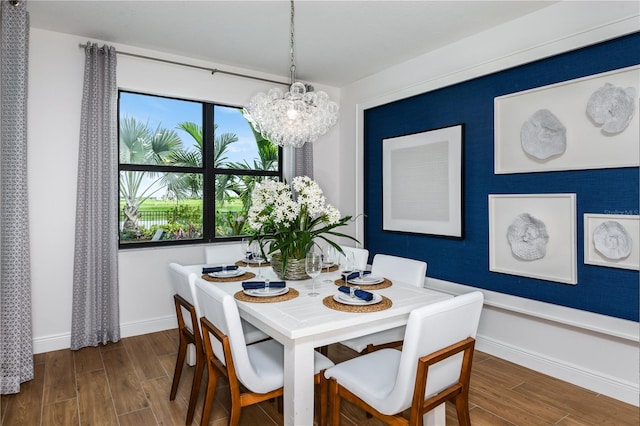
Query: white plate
(260, 292)
(367, 280)
(348, 300)
(252, 261)
(227, 274)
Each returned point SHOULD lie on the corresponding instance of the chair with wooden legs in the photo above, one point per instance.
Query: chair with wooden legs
(182, 281)
(255, 372)
(409, 271)
(433, 367)
(187, 313)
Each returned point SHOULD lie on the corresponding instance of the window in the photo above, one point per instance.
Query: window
(187, 170)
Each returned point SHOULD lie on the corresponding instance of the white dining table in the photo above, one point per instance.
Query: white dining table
(305, 323)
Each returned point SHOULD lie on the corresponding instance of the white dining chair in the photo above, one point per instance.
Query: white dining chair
(433, 367)
(190, 345)
(223, 253)
(360, 256)
(182, 282)
(255, 372)
(394, 268)
(403, 269)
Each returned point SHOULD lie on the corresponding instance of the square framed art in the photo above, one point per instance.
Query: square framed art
(533, 235)
(422, 182)
(612, 240)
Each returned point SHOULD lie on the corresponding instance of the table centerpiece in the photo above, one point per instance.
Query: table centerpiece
(286, 220)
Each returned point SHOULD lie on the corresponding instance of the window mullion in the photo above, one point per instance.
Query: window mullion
(155, 168)
(208, 189)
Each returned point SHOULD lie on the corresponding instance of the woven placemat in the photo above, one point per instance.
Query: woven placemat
(245, 276)
(251, 265)
(291, 294)
(384, 284)
(330, 268)
(329, 302)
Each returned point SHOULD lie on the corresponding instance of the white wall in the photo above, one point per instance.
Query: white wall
(563, 342)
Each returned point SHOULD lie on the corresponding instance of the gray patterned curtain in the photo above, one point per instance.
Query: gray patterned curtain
(16, 340)
(303, 160)
(96, 315)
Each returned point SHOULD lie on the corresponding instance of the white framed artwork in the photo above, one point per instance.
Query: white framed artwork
(422, 182)
(612, 240)
(587, 123)
(533, 235)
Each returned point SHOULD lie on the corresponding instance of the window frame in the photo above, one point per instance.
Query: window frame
(208, 171)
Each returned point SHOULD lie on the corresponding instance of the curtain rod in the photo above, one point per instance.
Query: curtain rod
(182, 64)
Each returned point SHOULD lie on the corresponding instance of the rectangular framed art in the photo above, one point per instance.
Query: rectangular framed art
(612, 240)
(586, 123)
(422, 182)
(533, 235)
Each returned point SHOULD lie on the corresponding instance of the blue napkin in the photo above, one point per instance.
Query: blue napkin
(254, 285)
(355, 275)
(364, 295)
(219, 269)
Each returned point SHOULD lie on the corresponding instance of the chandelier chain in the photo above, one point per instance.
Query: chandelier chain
(291, 43)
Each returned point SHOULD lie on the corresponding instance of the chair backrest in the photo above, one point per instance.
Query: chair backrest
(223, 253)
(399, 268)
(360, 256)
(183, 284)
(221, 310)
(429, 329)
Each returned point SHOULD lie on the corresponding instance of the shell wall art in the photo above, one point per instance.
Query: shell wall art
(528, 237)
(587, 123)
(612, 240)
(543, 135)
(612, 107)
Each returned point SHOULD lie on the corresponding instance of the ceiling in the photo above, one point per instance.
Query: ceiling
(336, 42)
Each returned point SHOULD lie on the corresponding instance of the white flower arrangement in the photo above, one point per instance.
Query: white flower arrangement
(292, 223)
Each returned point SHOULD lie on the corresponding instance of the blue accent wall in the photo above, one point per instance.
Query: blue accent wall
(608, 291)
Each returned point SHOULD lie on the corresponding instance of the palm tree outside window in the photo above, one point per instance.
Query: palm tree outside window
(187, 170)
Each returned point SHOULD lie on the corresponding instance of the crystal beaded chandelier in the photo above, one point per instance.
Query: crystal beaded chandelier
(295, 117)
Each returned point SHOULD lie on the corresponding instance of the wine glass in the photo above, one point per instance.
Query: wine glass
(329, 256)
(244, 247)
(313, 267)
(256, 255)
(329, 259)
(346, 265)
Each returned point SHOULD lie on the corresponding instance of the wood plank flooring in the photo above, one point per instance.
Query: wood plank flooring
(128, 383)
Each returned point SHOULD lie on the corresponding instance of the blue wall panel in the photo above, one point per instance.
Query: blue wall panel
(608, 291)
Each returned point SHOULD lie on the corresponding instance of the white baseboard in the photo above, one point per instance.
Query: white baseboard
(56, 342)
(52, 342)
(593, 380)
(148, 326)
